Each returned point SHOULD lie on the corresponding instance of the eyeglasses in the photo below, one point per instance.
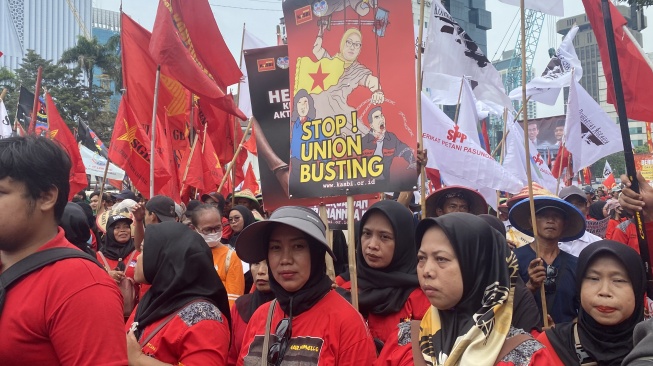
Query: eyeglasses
(356, 45)
(211, 230)
(550, 281)
(234, 219)
(283, 333)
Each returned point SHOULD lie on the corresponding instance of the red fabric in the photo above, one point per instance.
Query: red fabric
(250, 180)
(612, 225)
(341, 282)
(332, 332)
(187, 44)
(166, 156)
(629, 237)
(213, 172)
(553, 358)
(414, 309)
(220, 130)
(227, 231)
(562, 161)
(192, 173)
(187, 341)
(434, 177)
(59, 131)
(486, 137)
(131, 266)
(129, 150)
(52, 316)
(139, 75)
(609, 182)
(587, 175)
(250, 145)
(238, 327)
(636, 74)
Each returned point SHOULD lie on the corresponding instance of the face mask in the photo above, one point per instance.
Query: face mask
(213, 240)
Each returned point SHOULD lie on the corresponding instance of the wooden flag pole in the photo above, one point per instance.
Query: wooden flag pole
(331, 272)
(625, 136)
(351, 250)
(420, 135)
(528, 152)
(460, 96)
(503, 150)
(104, 180)
(505, 130)
(236, 122)
(190, 158)
(153, 129)
(233, 161)
(35, 108)
(3, 94)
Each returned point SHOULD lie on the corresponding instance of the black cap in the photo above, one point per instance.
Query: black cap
(163, 207)
(191, 206)
(125, 194)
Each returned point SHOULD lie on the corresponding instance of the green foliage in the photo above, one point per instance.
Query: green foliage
(617, 162)
(638, 2)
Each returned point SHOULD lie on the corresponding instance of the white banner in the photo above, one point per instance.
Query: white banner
(590, 134)
(451, 54)
(558, 74)
(95, 165)
(5, 124)
(552, 7)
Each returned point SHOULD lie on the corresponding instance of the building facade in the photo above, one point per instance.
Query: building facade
(106, 24)
(49, 27)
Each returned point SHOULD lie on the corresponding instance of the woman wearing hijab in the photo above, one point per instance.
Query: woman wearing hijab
(245, 307)
(596, 211)
(240, 217)
(118, 253)
(468, 273)
(308, 322)
(611, 283)
(75, 224)
(184, 317)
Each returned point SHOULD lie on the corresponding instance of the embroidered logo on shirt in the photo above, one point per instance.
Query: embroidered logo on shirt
(403, 337)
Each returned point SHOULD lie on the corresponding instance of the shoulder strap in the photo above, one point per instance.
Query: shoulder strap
(418, 359)
(266, 337)
(128, 261)
(580, 352)
(227, 260)
(36, 261)
(104, 259)
(510, 344)
(166, 321)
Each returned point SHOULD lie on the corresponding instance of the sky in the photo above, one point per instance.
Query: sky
(261, 17)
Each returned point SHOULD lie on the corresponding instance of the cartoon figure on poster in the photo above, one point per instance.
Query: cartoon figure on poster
(344, 138)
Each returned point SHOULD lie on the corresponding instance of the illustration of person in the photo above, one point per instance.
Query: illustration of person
(559, 132)
(303, 111)
(533, 131)
(333, 101)
(380, 142)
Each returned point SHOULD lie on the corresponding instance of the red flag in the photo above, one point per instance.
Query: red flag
(188, 45)
(192, 174)
(139, 75)
(129, 150)
(609, 181)
(587, 175)
(486, 137)
(59, 131)
(221, 127)
(250, 145)
(636, 74)
(250, 181)
(213, 172)
(562, 161)
(548, 157)
(166, 156)
(434, 177)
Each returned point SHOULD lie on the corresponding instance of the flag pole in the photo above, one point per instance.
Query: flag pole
(351, 249)
(460, 96)
(233, 161)
(190, 158)
(35, 108)
(625, 136)
(153, 129)
(104, 180)
(505, 131)
(236, 120)
(420, 137)
(528, 151)
(503, 150)
(3, 94)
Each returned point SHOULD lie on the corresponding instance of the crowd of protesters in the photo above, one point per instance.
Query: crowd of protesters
(120, 280)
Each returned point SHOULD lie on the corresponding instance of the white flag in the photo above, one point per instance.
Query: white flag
(558, 73)
(552, 7)
(457, 156)
(250, 41)
(515, 159)
(5, 124)
(607, 170)
(95, 164)
(590, 134)
(451, 54)
(467, 116)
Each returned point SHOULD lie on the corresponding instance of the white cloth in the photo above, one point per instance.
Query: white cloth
(576, 246)
(5, 124)
(551, 7)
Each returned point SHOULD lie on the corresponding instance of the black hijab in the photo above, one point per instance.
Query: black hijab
(111, 248)
(596, 210)
(317, 286)
(75, 226)
(179, 266)
(607, 345)
(248, 219)
(385, 291)
(247, 304)
(485, 262)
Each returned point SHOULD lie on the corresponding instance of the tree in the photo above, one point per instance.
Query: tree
(638, 2)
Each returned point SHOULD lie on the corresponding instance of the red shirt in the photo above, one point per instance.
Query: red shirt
(553, 358)
(238, 327)
(66, 313)
(227, 231)
(197, 335)
(332, 332)
(381, 326)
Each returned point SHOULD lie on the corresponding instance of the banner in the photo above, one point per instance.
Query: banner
(269, 87)
(5, 124)
(337, 212)
(352, 97)
(95, 165)
(546, 132)
(644, 165)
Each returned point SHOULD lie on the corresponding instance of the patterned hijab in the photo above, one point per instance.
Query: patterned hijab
(473, 332)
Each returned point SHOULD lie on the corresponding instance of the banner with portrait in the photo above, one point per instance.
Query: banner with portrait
(352, 97)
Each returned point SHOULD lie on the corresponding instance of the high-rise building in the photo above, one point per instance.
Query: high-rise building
(49, 27)
(106, 24)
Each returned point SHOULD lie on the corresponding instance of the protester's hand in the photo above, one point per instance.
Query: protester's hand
(138, 212)
(550, 321)
(422, 157)
(117, 275)
(511, 244)
(134, 351)
(642, 202)
(536, 274)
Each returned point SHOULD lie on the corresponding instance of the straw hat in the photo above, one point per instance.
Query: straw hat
(520, 216)
(477, 204)
(538, 190)
(247, 193)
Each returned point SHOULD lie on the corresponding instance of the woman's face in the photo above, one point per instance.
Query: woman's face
(605, 211)
(352, 47)
(236, 221)
(438, 270)
(122, 232)
(378, 241)
(289, 257)
(260, 274)
(606, 293)
(302, 107)
(139, 275)
(94, 202)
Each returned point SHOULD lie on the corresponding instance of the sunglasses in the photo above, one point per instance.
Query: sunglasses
(283, 333)
(550, 281)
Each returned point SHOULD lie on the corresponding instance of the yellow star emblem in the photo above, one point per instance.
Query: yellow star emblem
(130, 135)
(52, 134)
(217, 165)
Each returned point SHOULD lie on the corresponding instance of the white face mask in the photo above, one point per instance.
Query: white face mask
(213, 240)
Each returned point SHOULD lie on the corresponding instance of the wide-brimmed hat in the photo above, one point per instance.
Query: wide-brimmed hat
(520, 216)
(246, 193)
(253, 241)
(477, 204)
(538, 190)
